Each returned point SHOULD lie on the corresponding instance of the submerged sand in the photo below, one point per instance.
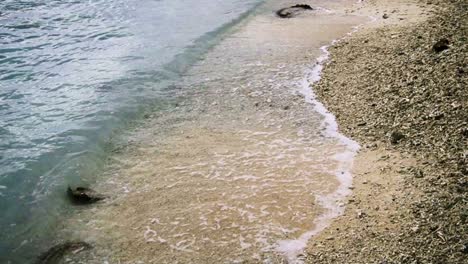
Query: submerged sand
(242, 169)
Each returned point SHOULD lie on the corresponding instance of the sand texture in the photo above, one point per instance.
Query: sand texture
(405, 100)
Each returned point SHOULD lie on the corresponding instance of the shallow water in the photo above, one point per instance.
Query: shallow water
(243, 169)
(71, 73)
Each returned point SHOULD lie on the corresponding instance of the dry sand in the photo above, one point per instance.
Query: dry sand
(406, 103)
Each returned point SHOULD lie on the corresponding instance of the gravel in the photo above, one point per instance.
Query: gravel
(405, 87)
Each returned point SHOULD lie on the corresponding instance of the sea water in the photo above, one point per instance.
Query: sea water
(245, 167)
(74, 72)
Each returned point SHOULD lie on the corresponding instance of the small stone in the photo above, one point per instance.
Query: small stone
(385, 16)
(57, 252)
(292, 11)
(464, 132)
(83, 195)
(396, 136)
(441, 45)
(418, 173)
(361, 124)
(361, 214)
(465, 248)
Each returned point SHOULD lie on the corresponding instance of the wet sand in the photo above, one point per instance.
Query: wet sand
(242, 169)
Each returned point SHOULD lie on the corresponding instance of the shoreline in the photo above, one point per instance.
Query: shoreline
(407, 203)
(252, 122)
(332, 203)
(379, 210)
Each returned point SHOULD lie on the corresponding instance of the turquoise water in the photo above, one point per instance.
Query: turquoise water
(72, 73)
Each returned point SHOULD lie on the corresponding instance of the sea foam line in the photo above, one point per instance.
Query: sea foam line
(332, 203)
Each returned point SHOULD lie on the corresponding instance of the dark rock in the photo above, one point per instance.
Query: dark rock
(396, 136)
(303, 6)
(441, 45)
(464, 132)
(361, 124)
(57, 252)
(361, 214)
(83, 195)
(292, 11)
(437, 115)
(284, 13)
(385, 16)
(418, 173)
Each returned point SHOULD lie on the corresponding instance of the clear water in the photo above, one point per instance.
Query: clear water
(246, 169)
(72, 72)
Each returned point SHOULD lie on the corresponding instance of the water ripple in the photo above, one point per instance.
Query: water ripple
(71, 73)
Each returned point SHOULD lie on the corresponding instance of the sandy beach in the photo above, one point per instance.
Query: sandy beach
(404, 101)
(245, 168)
(248, 168)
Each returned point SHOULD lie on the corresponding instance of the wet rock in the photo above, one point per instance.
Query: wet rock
(292, 11)
(396, 137)
(57, 252)
(83, 195)
(441, 45)
(303, 6)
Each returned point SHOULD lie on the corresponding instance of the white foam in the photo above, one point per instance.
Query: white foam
(149, 234)
(333, 202)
